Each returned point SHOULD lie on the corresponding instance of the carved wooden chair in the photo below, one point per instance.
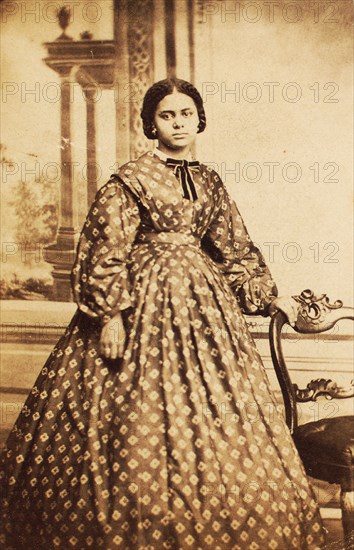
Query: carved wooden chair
(326, 446)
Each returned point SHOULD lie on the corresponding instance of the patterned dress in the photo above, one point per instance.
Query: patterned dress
(172, 446)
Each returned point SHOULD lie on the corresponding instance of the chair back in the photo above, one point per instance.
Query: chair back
(316, 315)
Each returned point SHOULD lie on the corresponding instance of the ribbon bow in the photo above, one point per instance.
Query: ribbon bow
(182, 171)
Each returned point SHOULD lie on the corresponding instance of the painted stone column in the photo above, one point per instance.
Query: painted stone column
(134, 30)
(89, 63)
(61, 254)
(90, 95)
(121, 82)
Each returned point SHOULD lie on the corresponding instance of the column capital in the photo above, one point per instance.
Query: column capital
(96, 57)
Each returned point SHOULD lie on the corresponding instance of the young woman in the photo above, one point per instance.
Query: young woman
(149, 426)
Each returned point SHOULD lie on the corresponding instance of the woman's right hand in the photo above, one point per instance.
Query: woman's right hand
(287, 305)
(113, 337)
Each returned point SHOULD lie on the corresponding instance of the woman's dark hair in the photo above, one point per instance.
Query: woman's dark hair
(161, 89)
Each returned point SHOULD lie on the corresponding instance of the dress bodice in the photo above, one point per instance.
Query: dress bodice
(162, 205)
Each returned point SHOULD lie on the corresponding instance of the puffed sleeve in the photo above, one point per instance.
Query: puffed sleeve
(100, 278)
(228, 243)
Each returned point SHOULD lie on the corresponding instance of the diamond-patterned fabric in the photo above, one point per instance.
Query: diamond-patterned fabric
(179, 444)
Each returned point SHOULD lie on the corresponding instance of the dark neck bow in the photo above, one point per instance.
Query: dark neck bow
(182, 169)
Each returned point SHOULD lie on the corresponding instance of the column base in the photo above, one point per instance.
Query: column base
(61, 256)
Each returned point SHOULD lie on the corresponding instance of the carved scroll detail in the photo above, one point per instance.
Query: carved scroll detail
(323, 387)
(317, 314)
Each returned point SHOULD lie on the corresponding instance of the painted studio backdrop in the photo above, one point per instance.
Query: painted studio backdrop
(276, 80)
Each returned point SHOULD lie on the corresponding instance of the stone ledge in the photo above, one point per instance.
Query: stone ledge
(36, 312)
(23, 320)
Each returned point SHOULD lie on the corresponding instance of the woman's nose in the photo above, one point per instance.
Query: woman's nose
(177, 123)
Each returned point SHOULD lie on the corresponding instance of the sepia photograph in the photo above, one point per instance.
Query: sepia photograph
(177, 306)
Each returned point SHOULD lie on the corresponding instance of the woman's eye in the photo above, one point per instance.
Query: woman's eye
(187, 113)
(166, 116)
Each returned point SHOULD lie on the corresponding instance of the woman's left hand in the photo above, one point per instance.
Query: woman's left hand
(287, 305)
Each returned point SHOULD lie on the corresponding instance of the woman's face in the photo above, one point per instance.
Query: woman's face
(176, 121)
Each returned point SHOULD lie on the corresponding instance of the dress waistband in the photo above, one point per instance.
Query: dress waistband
(168, 237)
